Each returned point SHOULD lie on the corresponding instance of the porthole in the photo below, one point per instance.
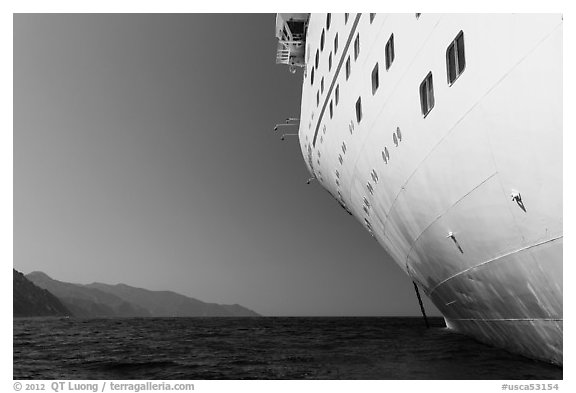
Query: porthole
(368, 224)
(366, 201)
(385, 155)
(370, 188)
(359, 110)
(336, 43)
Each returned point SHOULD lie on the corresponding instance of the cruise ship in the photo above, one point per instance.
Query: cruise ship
(442, 135)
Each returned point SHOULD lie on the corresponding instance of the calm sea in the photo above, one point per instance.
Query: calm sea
(259, 348)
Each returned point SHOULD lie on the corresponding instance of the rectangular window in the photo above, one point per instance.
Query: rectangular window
(372, 16)
(375, 80)
(331, 109)
(330, 62)
(389, 51)
(346, 18)
(455, 60)
(356, 47)
(317, 98)
(427, 94)
(348, 68)
(322, 85)
(336, 44)
(418, 15)
(359, 110)
(337, 94)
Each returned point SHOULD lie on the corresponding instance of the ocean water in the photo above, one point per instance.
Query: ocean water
(259, 348)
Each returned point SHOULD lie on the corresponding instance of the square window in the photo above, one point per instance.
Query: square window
(359, 110)
(455, 59)
(427, 94)
(336, 44)
(375, 79)
(356, 46)
(389, 51)
(348, 68)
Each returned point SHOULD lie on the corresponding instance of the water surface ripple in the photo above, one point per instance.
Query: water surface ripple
(259, 348)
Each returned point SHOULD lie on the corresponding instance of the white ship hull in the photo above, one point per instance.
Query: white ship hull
(468, 198)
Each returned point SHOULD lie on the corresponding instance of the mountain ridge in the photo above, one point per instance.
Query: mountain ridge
(122, 300)
(29, 300)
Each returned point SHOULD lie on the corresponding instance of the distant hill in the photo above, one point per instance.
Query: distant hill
(172, 304)
(32, 301)
(121, 300)
(84, 301)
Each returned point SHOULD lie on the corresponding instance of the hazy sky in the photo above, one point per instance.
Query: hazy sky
(144, 154)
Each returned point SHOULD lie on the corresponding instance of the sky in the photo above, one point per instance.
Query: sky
(144, 153)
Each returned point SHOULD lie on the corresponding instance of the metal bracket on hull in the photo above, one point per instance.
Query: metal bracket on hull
(451, 236)
(516, 197)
